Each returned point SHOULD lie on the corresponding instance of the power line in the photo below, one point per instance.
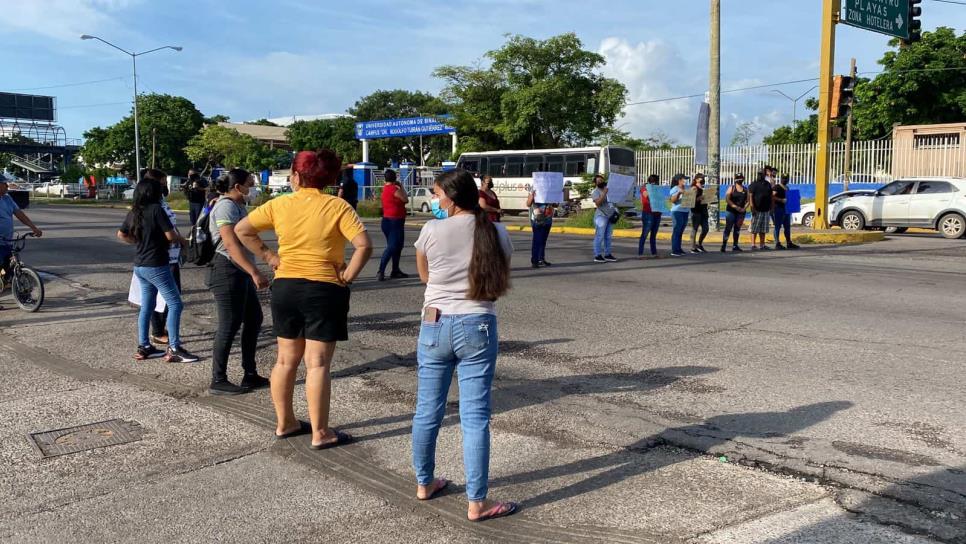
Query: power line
(951, 2)
(809, 80)
(78, 84)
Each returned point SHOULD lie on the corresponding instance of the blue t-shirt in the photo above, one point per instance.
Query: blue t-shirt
(677, 207)
(7, 208)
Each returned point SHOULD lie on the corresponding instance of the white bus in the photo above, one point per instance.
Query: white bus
(512, 171)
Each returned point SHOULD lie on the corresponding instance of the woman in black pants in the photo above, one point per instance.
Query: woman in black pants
(699, 216)
(234, 279)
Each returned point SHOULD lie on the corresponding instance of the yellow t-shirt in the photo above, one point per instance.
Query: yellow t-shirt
(312, 229)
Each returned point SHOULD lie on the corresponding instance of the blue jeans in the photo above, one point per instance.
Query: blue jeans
(395, 231)
(603, 231)
(155, 280)
(469, 345)
(650, 223)
(540, 235)
(783, 221)
(680, 222)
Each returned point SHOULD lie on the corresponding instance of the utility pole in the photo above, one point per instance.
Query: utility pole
(830, 11)
(714, 123)
(154, 147)
(848, 135)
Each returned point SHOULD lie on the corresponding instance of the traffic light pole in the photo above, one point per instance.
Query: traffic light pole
(848, 134)
(830, 11)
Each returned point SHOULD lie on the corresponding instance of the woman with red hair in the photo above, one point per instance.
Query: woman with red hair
(310, 293)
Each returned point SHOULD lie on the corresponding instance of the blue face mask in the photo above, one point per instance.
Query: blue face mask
(438, 212)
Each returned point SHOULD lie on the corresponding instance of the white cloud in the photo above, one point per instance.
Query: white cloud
(653, 70)
(60, 19)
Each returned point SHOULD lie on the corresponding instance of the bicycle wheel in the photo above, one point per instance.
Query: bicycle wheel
(28, 289)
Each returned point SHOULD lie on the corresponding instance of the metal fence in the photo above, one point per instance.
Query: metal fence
(872, 161)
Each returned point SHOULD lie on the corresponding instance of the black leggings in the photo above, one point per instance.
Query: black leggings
(699, 220)
(733, 222)
(236, 302)
(158, 319)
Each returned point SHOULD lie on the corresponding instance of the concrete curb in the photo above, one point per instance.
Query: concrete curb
(803, 238)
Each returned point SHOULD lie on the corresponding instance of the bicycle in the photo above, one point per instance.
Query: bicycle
(25, 283)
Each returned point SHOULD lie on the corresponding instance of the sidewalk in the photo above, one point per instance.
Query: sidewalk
(207, 469)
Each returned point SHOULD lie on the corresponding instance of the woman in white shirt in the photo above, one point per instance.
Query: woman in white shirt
(464, 260)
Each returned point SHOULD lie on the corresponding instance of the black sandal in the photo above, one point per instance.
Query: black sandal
(304, 428)
(341, 439)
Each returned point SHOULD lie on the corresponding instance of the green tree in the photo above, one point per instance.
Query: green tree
(263, 122)
(215, 119)
(216, 145)
(400, 104)
(535, 93)
(335, 134)
(173, 119)
(744, 132)
(923, 83)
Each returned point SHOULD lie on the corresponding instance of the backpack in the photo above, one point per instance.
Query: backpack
(200, 250)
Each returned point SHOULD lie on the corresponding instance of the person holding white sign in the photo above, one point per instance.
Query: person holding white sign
(541, 221)
(605, 217)
(679, 214)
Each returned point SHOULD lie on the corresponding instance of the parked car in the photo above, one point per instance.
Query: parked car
(927, 202)
(806, 217)
(56, 188)
(420, 198)
(864, 178)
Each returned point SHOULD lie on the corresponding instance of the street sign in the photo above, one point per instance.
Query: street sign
(883, 16)
(397, 128)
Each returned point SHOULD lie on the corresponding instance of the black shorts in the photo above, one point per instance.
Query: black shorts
(314, 310)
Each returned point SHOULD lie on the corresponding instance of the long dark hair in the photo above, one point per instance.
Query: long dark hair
(489, 266)
(146, 192)
(227, 182)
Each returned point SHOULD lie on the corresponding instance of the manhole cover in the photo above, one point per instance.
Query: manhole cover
(85, 437)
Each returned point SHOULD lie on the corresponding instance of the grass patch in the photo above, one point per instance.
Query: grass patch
(370, 208)
(585, 219)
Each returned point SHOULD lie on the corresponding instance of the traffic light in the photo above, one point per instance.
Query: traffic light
(915, 25)
(843, 90)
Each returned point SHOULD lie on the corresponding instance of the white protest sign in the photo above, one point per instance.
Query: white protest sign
(549, 187)
(134, 295)
(618, 187)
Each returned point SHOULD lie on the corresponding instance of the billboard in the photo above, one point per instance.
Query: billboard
(396, 128)
(27, 106)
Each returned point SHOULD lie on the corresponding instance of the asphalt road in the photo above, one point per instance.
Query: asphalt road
(839, 369)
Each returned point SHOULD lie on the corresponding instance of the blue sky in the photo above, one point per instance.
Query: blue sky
(250, 59)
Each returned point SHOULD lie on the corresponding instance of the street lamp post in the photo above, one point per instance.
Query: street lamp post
(134, 65)
(795, 102)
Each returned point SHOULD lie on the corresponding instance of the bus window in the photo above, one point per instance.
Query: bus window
(555, 163)
(534, 164)
(592, 164)
(514, 167)
(483, 165)
(470, 165)
(496, 166)
(576, 165)
(621, 157)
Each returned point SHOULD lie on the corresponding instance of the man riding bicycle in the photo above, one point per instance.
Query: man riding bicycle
(9, 210)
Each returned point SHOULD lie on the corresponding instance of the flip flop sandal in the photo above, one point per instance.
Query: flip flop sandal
(341, 439)
(499, 510)
(439, 484)
(304, 428)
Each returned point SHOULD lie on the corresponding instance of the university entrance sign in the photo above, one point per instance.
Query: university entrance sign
(884, 16)
(400, 128)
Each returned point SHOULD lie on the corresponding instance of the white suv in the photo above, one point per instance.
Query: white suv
(924, 202)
